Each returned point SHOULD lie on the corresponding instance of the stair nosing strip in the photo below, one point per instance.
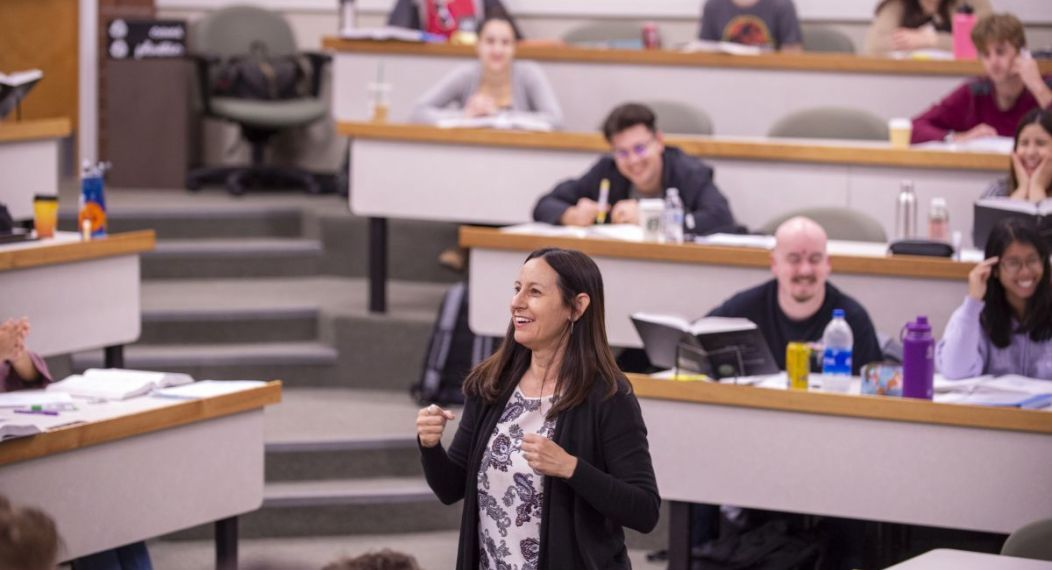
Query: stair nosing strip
(364, 444)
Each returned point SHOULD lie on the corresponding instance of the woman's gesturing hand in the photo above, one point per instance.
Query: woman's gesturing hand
(978, 277)
(430, 422)
(546, 457)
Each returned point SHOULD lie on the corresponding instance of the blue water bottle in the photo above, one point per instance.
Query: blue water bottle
(91, 217)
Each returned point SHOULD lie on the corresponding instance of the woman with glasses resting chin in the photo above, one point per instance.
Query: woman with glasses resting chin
(1004, 325)
(551, 455)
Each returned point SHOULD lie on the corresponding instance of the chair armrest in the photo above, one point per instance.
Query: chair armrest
(203, 63)
(318, 61)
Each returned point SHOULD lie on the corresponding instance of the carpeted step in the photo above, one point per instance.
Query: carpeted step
(297, 364)
(212, 325)
(233, 258)
(359, 458)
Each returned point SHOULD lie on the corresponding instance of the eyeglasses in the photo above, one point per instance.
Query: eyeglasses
(797, 259)
(1015, 265)
(639, 150)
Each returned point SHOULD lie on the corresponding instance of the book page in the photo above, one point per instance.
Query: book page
(671, 321)
(709, 325)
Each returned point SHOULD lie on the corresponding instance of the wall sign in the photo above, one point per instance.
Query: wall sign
(145, 39)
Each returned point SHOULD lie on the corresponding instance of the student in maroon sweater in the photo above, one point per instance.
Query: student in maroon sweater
(991, 105)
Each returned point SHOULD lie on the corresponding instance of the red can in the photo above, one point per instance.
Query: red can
(651, 36)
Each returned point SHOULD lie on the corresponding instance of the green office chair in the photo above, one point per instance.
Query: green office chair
(239, 31)
(678, 118)
(831, 123)
(1032, 541)
(839, 223)
(826, 39)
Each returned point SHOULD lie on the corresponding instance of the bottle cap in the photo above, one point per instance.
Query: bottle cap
(921, 325)
(838, 313)
(672, 192)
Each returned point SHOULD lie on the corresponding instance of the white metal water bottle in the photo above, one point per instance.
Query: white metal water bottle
(837, 344)
(672, 220)
(906, 212)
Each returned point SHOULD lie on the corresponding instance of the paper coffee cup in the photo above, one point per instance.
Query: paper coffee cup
(899, 132)
(650, 211)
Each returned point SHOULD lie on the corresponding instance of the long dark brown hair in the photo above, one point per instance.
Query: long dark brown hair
(913, 15)
(587, 358)
(1035, 116)
(996, 317)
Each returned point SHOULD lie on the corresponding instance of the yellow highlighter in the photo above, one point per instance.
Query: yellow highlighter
(604, 201)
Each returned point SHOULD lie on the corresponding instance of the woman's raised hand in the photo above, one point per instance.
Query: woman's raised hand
(430, 423)
(978, 277)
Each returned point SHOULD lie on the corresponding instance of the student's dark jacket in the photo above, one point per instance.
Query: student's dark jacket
(406, 14)
(612, 487)
(691, 176)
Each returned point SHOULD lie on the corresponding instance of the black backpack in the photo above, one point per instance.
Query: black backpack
(771, 546)
(452, 351)
(259, 76)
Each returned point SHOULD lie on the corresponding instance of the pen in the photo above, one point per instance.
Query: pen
(604, 201)
(38, 412)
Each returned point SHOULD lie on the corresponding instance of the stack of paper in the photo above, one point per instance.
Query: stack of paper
(1010, 390)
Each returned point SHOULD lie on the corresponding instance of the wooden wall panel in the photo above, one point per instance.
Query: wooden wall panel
(42, 34)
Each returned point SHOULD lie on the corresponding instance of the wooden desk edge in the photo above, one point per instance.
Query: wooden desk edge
(868, 407)
(890, 266)
(772, 150)
(79, 436)
(37, 129)
(113, 245)
(833, 63)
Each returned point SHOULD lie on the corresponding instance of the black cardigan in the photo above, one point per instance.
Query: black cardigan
(692, 177)
(612, 487)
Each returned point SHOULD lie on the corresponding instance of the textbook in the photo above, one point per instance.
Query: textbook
(991, 211)
(15, 86)
(718, 346)
(383, 33)
(505, 121)
(117, 384)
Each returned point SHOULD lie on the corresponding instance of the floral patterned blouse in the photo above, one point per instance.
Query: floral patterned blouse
(510, 492)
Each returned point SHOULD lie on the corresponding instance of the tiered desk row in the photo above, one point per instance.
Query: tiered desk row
(29, 154)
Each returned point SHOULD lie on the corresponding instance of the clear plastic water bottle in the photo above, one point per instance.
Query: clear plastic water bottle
(837, 342)
(672, 221)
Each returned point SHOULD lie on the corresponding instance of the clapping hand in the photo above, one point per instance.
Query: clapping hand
(978, 277)
(430, 423)
(546, 457)
(13, 333)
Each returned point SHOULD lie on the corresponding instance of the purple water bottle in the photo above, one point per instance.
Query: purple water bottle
(918, 359)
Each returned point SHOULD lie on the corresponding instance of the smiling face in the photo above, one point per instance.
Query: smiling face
(1020, 270)
(799, 260)
(1033, 145)
(998, 60)
(496, 47)
(538, 311)
(637, 153)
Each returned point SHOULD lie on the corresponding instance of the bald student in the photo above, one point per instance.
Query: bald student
(798, 303)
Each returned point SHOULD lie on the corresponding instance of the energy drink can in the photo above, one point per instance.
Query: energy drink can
(797, 364)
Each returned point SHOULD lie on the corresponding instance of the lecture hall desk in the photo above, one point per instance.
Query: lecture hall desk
(29, 152)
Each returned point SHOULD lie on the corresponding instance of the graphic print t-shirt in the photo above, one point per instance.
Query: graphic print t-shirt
(767, 23)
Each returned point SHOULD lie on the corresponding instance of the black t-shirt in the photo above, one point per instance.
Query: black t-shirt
(760, 305)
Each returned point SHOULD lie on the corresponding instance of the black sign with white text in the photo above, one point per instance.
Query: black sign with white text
(145, 39)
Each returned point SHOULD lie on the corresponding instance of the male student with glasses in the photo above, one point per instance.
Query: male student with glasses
(639, 166)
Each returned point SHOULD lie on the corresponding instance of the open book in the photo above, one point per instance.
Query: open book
(718, 346)
(117, 384)
(991, 211)
(1010, 390)
(507, 121)
(710, 46)
(382, 34)
(15, 86)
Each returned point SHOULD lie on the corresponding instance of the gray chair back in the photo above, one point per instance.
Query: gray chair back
(1032, 541)
(825, 39)
(839, 223)
(233, 30)
(674, 117)
(831, 123)
(617, 32)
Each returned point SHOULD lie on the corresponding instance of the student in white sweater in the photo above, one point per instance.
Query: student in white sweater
(493, 85)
